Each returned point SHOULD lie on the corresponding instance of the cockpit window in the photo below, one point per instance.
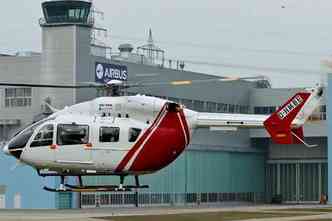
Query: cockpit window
(133, 134)
(44, 136)
(72, 134)
(109, 134)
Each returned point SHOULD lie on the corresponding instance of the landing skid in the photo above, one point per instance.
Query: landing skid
(83, 189)
(103, 188)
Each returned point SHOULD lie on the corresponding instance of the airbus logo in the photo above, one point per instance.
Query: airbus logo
(107, 72)
(100, 71)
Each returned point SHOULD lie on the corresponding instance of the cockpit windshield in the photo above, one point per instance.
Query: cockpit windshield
(21, 138)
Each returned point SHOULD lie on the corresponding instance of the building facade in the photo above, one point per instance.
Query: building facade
(218, 166)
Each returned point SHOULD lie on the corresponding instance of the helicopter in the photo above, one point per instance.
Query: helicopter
(135, 135)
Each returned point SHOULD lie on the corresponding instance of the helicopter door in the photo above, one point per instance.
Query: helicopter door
(40, 145)
(73, 141)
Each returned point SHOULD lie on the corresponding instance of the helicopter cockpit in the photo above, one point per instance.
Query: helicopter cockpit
(19, 141)
(52, 134)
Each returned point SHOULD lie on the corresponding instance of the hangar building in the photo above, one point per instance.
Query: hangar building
(218, 166)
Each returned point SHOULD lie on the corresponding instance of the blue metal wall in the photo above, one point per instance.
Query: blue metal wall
(24, 180)
(204, 171)
(193, 172)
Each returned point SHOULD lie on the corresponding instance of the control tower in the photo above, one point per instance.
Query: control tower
(66, 37)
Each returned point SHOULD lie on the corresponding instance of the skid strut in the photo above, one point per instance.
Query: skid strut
(80, 188)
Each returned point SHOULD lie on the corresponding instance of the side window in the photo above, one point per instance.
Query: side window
(71, 134)
(133, 134)
(109, 134)
(44, 136)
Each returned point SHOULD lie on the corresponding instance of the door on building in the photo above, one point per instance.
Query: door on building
(296, 182)
(2, 201)
(17, 201)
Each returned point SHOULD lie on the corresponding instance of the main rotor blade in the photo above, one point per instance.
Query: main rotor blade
(48, 85)
(129, 85)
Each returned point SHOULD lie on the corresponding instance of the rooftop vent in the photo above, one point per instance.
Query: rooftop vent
(126, 48)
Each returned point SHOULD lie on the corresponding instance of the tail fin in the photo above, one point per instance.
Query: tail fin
(286, 124)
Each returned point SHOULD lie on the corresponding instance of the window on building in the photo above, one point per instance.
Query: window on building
(222, 108)
(176, 100)
(264, 109)
(237, 108)
(44, 136)
(318, 114)
(71, 13)
(231, 108)
(18, 97)
(187, 103)
(244, 109)
(198, 105)
(211, 106)
(133, 134)
(109, 134)
(323, 112)
(72, 134)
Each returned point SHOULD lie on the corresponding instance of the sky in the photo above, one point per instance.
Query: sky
(287, 40)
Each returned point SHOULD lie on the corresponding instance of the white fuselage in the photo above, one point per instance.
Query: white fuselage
(60, 148)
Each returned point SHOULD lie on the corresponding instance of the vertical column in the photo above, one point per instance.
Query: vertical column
(329, 131)
(319, 180)
(299, 196)
(278, 179)
(2, 137)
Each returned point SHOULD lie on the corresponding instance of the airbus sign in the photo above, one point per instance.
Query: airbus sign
(106, 72)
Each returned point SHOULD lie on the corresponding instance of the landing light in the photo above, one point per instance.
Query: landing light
(88, 146)
(53, 146)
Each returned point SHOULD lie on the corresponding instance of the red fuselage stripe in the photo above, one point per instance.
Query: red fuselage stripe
(186, 125)
(153, 130)
(183, 130)
(139, 142)
(164, 145)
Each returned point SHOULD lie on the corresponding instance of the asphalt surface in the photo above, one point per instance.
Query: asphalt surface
(92, 214)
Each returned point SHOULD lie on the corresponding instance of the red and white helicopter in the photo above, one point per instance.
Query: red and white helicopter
(136, 135)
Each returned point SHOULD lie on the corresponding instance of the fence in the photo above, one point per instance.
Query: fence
(92, 200)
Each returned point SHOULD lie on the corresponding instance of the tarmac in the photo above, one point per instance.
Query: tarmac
(94, 214)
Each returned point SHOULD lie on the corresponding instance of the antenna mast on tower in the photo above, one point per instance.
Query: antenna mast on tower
(155, 54)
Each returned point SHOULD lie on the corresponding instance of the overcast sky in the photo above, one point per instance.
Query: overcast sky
(285, 40)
